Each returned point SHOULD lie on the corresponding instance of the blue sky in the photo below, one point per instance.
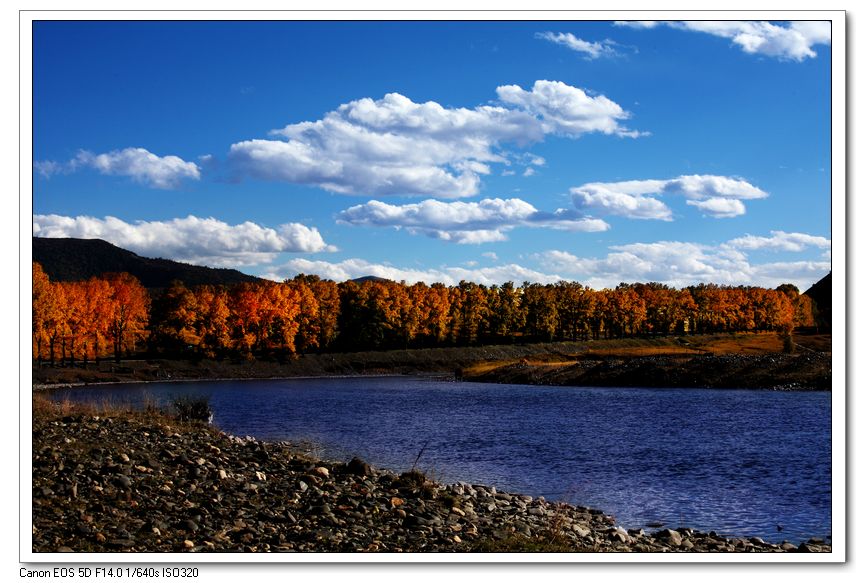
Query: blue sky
(601, 152)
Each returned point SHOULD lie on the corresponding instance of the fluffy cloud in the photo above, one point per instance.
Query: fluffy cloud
(675, 263)
(792, 41)
(715, 196)
(680, 264)
(191, 239)
(719, 208)
(137, 163)
(614, 199)
(781, 241)
(565, 110)
(591, 50)
(466, 222)
(394, 146)
(354, 268)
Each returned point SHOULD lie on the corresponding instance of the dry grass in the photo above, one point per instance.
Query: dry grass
(718, 344)
(45, 408)
(644, 351)
(485, 367)
(669, 346)
(746, 344)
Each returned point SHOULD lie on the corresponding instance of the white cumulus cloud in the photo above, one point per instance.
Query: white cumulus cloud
(680, 264)
(203, 241)
(719, 208)
(591, 50)
(466, 222)
(354, 268)
(793, 41)
(566, 110)
(164, 172)
(781, 241)
(613, 199)
(674, 263)
(395, 146)
(715, 196)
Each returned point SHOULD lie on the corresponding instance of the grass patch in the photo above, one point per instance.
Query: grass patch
(644, 351)
(47, 409)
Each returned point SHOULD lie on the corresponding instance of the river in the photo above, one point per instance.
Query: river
(739, 462)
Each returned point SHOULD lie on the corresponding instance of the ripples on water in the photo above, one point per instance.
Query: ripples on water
(737, 462)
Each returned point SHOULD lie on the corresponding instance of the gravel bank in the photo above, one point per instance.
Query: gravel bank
(133, 482)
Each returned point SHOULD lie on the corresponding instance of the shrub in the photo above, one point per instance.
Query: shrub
(411, 479)
(193, 409)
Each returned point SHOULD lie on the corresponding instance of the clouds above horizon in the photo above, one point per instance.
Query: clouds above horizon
(780, 241)
(165, 172)
(680, 264)
(448, 275)
(484, 221)
(202, 241)
(793, 41)
(715, 196)
(394, 146)
(674, 263)
(591, 50)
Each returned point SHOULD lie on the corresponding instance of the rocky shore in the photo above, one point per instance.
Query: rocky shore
(115, 481)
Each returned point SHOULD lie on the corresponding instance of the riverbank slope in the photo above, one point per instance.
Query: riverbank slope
(721, 360)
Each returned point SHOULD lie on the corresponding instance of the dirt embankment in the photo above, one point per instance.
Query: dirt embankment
(777, 371)
(749, 361)
(722, 360)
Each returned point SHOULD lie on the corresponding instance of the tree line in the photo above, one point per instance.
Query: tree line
(114, 315)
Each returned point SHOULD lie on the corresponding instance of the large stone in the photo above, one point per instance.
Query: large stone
(581, 530)
(671, 537)
(358, 467)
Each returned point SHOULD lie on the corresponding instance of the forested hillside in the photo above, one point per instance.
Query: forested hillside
(81, 259)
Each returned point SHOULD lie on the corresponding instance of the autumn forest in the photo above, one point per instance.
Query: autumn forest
(115, 316)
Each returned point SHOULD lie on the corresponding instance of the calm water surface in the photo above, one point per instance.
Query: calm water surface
(734, 461)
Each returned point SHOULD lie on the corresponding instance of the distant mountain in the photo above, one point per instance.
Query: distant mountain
(821, 294)
(373, 278)
(80, 259)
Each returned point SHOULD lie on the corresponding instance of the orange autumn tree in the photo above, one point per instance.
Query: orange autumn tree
(177, 320)
(44, 310)
(309, 320)
(97, 294)
(128, 309)
(542, 311)
(434, 302)
(55, 324)
(76, 317)
(281, 306)
(213, 323)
